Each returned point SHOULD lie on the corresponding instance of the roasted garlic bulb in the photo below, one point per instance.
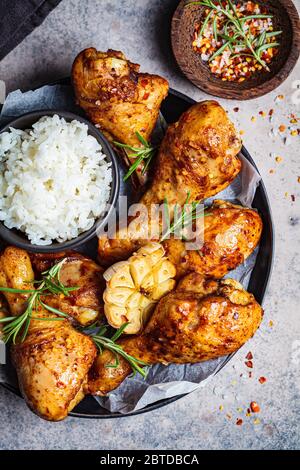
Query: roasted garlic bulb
(136, 285)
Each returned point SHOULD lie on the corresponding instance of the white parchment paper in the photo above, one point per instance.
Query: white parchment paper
(162, 381)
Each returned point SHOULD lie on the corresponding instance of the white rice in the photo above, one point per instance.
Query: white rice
(54, 180)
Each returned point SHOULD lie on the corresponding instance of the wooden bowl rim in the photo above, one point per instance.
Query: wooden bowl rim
(258, 90)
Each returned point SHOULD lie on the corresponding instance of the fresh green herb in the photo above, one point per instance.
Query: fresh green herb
(49, 284)
(186, 217)
(103, 342)
(140, 154)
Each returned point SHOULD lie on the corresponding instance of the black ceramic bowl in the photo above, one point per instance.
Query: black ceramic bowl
(16, 237)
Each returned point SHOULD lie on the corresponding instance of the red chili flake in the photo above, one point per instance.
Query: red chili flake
(249, 355)
(271, 112)
(249, 364)
(144, 82)
(146, 96)
(239, 422)
(236, 110)
(254, 407)
(262, 380)
(250, 375)
(293, 198)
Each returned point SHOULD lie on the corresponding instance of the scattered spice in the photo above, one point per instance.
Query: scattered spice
(228, 416)
(293, 198)
(242, 132)
(239, 422)
(254, 407)
(262, 113)
(249, 355)
(278, 159)
(249, 364)
(221, 407)
(236, 110)
(256, 421)
(262, 380)
(282, 128)
(280, 97)
(298, 179)
(271, 171)
(294, 133)
(250, 375)
(271, 112)
(271, 323)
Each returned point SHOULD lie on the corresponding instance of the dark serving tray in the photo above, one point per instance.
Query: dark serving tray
(173, 106)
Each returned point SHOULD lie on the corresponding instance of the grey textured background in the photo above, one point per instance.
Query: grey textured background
(141, 29)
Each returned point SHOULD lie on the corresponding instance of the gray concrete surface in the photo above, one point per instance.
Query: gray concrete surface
(141, 29)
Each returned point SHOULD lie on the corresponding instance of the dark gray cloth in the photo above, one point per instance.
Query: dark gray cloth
(18, 18)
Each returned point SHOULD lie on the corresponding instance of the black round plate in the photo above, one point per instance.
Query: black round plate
(173, 106)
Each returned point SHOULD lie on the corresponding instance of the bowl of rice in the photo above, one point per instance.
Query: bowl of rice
(59, 181)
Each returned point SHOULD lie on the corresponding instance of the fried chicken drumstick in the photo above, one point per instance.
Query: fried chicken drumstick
(117, 97)
(198, 156)
(201, 320)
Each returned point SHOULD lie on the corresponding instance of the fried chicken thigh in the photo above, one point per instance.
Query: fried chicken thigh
(53, 361)
(116, 96)
(201, 320)
(198, 156)
(85, 304)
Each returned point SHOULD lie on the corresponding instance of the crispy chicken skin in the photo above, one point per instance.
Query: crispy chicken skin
(85, 305)
(53, 361)
(16, 272)
(201, 320)
(52, 365)
(116, 96)
(231, 233)
(198, 155)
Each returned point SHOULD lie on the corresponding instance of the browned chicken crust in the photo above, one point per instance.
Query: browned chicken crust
(16, 272)
(201, 320)
(116, 96)
(52, 365)
(85, 304)
(231, 233)
(198, 156)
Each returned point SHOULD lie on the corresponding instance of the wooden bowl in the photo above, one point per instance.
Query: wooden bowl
(285, 18)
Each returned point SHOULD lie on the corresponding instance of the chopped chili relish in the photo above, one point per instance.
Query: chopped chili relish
(236, 39)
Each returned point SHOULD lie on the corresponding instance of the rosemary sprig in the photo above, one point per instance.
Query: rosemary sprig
(103, 342)
(140, 154)
(49, 284)
(185, 218)
(235, 26)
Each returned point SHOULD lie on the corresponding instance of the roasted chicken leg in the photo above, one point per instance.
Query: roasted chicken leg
(53, 361)
(198, 156)
(201, 320)
(117, 97)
